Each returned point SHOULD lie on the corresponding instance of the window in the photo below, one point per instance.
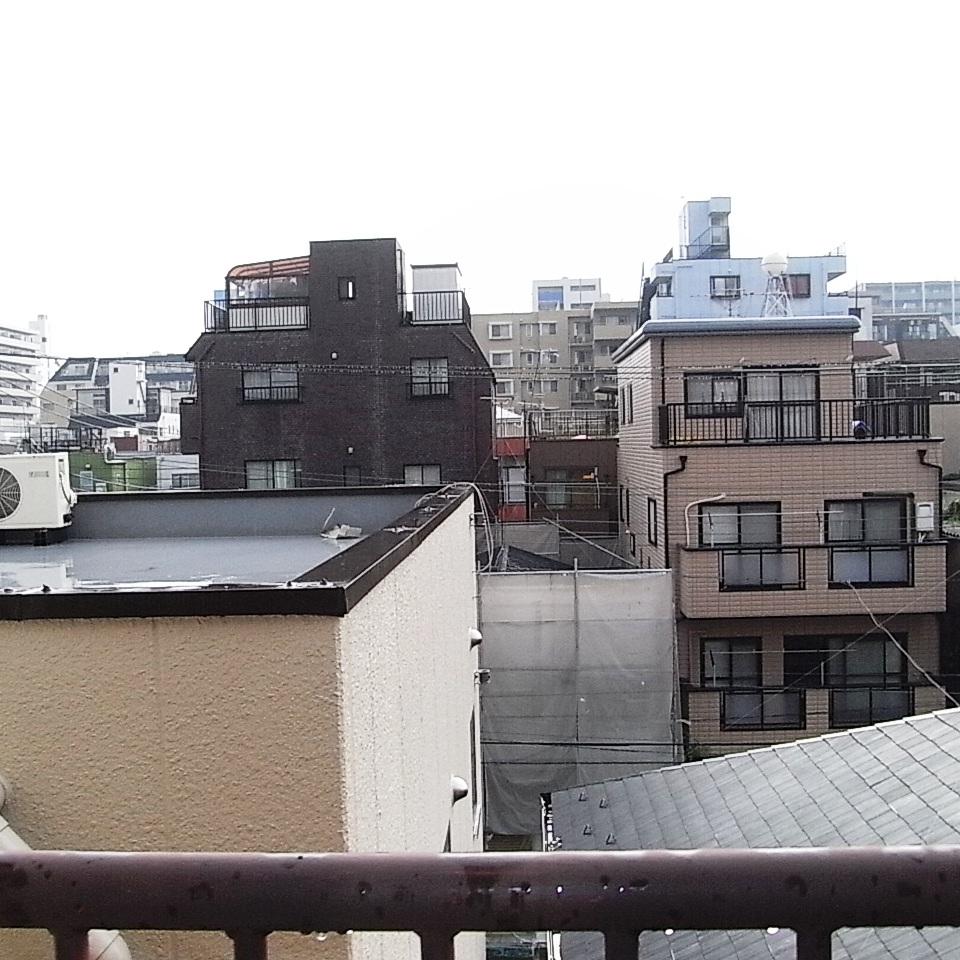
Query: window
(629, 410)
(712, 394)
(591, 287)
(875, 531)
(346, 288)
(781, 404)
(733, 662)
(272, 474)
(866, 675)
(184, 481)
(277, 383)
(504, 388)
(500, 331)
(501, 358)
(651, 521)
(734, 667)
(753, 558)
(739, 523)
(549, 298)
(429, 377)
(514, 485)
(798, 284)
(664, 286)
(417, 474)
(351, 476)
(541, 387)
(726, 287)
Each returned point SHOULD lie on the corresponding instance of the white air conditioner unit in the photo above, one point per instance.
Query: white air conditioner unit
(924, 518)
(35, 491)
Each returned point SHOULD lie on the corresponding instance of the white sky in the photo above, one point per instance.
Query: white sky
(147, 148)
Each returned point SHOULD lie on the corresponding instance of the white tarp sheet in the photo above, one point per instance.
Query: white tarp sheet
(581, 684)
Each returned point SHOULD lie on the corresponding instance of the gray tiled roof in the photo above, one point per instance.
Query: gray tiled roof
(892, 784)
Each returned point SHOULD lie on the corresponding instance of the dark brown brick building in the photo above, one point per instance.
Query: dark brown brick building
(324, 370)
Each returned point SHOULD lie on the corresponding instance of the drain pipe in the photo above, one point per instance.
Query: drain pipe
(101, 944)
(666, 509)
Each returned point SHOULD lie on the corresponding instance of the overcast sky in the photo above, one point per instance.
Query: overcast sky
(149, 147)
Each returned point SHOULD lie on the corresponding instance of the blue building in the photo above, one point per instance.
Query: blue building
(705, 281)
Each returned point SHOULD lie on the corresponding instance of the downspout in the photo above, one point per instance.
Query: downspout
(101, 944)
(922, 457)
(666, 509)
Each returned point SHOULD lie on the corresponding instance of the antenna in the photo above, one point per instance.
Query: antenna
(776, 299)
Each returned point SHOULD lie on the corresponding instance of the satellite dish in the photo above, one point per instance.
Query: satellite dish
(774, 264)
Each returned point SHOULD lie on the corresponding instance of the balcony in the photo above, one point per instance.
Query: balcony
(810, 891)
(570, 424)
(583, 396)
(763, 708)
(287, 393)
(270, 313)
(438, 306)
(816, 709)
(805, 579)
(800, 421)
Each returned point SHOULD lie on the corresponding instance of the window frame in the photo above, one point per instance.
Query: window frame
(500, 336)
(721, 289)
(652, 521)
(346, 288)
(713, 408)
(869, 546)
(495, 365)
(276, 389)
(753, 646)
(421, 467)
(796, 283)
(272, 474)
(433, 381)
(705, 509)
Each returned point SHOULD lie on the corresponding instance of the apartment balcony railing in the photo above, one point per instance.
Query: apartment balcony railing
(582, 367)
(763, 708)
(582, 396)
(271, 313)
(288, 393)
(761, 568)
(438, 306)
(793, 421)
(566, 424)
(857, 706)
(581, 338)
(811, 891)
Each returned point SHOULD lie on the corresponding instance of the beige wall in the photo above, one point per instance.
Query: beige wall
(241, 733)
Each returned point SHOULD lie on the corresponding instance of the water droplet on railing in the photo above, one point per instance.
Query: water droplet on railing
(559, 889)
(773, 930)
(320, 936)
(668, 932)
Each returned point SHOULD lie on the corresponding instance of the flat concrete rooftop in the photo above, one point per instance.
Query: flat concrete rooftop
(187, 553)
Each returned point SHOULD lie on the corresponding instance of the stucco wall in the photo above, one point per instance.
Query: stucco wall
(408, 691)
(171, 734)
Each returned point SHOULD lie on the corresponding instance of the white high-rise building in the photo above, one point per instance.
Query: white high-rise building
(566, 294)
(22, 372)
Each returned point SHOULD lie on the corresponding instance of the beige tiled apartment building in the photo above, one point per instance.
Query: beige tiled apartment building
(802, 525)
(555, 359)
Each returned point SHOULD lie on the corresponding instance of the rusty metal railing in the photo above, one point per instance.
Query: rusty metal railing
(250, 895)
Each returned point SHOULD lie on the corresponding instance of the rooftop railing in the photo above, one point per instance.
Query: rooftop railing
(269, 313)
(791, 421)
(250, 895)
(570, 424)
(438, 306)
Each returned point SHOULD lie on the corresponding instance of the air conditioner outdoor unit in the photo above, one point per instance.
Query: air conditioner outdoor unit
(35, 491)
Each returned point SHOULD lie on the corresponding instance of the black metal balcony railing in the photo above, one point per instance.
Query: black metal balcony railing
(793, 421)
(288, 393)
(272, 313)
(763, 708)
(430, 388)
(438, 306)
(761, 568)
(858, 706)
(249, 895)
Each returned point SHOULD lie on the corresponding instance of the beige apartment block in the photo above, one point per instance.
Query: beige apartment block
(555, 359)
(802, 524)
(327, 713)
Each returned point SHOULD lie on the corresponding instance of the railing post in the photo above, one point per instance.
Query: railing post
(71, 944)
(620, 944)
(813, 944)
(435, 945)
(249, 946)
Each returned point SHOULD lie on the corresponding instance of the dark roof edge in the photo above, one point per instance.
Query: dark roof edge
(330, 589)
